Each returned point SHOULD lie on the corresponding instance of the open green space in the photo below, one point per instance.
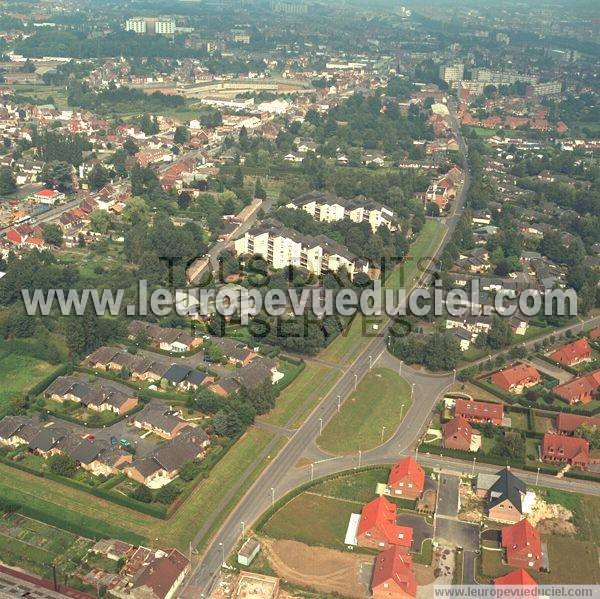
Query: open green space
(370, 416)
(347, 346)
(571, 562)
(293, 520)
(303, 394)
(355, 486)
(20, 373)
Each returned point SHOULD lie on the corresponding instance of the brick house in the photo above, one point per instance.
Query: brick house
(569, 450)
(523, 545)
(457, 434)
(573, 353)
(516, 378)
(393, 575)
(579, 389)
(516, 578)
(479, 411)
(567, 424)
(407, 479)
(377, 528)
(504, 499)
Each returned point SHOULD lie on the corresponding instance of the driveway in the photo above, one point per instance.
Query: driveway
(469, 558)
(447, 501)
(421, 528)
(454, 533)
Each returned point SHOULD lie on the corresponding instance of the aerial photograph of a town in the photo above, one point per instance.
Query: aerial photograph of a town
(299, 299)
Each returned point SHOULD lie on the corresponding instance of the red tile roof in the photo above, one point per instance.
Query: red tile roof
(566, 449)
(580, 388)
(521, 538)
(161, 574)
(407, 467)
(571, 353)
(569, 423)
(458, 426)
(516, 578)
(395, 567)
(381, 514)
(515, 375)
(478, 410)
(47, 193)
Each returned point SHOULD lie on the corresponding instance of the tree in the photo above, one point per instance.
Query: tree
(184, 200)
(8, 183)
(98, 177)
(58, 175)
(591, 433)
(167, 494)
(141, 493)
(130, 147)
(100, 221)
(136, 210)
(500, 333)
(52, 234)
(181, 135)
(259, 190)
(63, 465)
(189, 470)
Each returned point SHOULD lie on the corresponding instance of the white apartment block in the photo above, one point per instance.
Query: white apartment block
(328, 208)
(136, 24)
(164, 26)
(283, 247)
(452, 73)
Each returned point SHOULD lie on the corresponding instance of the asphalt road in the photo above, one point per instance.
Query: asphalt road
(280, 476)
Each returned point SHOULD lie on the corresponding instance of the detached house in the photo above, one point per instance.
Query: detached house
(377, 528)
(457, 434)
(568, 450)
(567, 424)
(479, 411)
(406, 480)
(504, 499)
(573, 353)
(185, 378)
(523, 546)
(393, 575)
(579, 389)
(516, 378)
(516, 578)
(162, 421)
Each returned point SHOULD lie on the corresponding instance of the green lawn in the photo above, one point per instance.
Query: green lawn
(355, 486)
(302, 395)
(571, 562)
(348, 346)
(329, 518)
(377, 403)
(19, 373)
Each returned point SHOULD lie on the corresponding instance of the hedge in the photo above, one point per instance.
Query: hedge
(44, 383)
(468, 455)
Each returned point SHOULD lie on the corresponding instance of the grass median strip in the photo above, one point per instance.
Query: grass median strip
(370, 416)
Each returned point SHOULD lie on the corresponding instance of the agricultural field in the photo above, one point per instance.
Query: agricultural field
(370, 416)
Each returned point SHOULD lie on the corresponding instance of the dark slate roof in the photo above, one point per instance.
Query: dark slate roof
(508, 486)
(177, 373)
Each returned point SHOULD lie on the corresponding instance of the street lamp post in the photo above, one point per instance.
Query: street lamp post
(243, 528)
(355, 381)
(272, 497)
(312, 471)
(339, 402)
(383, 432)
(222, 552)
(473, 471)
(359, 458)
(320, 426)
(454, 375)
(537, 476)
(370, 362)
(401, 411)
(412, 391)
(400, 369)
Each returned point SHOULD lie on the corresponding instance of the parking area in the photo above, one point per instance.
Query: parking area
(448, 495)
(421, 528)
(454, 533)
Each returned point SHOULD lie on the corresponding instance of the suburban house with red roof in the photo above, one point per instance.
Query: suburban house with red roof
(516, 578)
(569, 450)
(516, 378)
(479, 411)
(457, 434)
(377, 528)
(406, 480)
(523, 545)
(573, 353)
(393, 575)
(594, 334)
(579, 389)
(567, 424)
(48, 196)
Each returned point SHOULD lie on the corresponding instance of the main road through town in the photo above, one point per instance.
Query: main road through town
(281, 476)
